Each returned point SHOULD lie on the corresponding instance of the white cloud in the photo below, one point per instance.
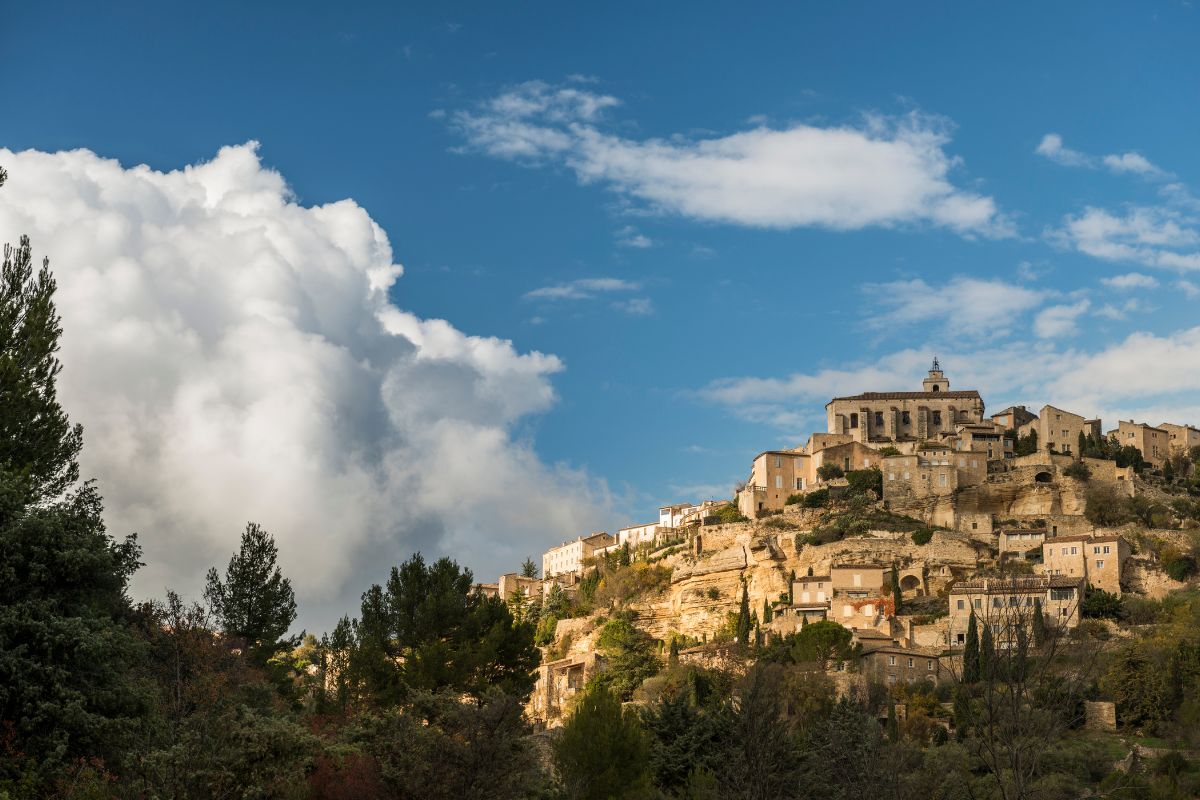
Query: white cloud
(635, 306)
(1052, 148)
(1188, 288)
(962, 305)
(630, 237)
(1130, 280)
(582, 289)
(885, 172)
(234, 355)
(1148, 235)
(1060, 320)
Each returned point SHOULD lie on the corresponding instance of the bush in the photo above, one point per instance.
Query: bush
(922, 536)
(713, 593)
(729, 513)
(794, 499)
(865, 480)
(1180, 566)
(1107, 508)
(828, 472)
(780, 523)
(1102, 604)
(816, 499)
(884, 452)
(1079, 471)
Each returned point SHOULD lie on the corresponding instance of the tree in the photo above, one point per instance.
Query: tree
(893, 726)
(987, 654)
(38, 444)
(254, 601)
(970, 668)
(828, 472)
(767, 613)
(743, 621)
(601, 753)
(529, 569)
(682, 738)
(629, 653)
(1038, 624)
(1099, 603)
(68, 657)
(897, 597)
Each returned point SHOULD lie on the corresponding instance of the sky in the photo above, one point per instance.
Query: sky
(474, 279)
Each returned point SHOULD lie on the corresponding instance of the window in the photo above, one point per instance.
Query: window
(847, 611)
(942, 479)
(846, 464)
(854, 420)
(960, 605)
(857, 579)
(799, 483)
(910, 663)
(905, 419)
(907, 475)
(937, 418)
(778, 481)
(1100, 564)
(1106, 551)
(931, 665)
(1074, 551)
(869, 611)
(1095, 551)
(1062, 594)
(879, 418)
(891, 476)
(778, 461)
(978, 603)
(997, 602)
(961, 638)
(891, 661)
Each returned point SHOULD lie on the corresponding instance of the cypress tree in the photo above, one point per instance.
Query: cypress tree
(897, 599)
(767, 614)
(1039, 623)
(743, 621)
(987, 654)
(970, 668)
(673, 657)
(893, 725)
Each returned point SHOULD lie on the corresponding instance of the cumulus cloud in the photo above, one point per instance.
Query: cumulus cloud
(963, 305)
(1060, 320)
(1153, 236)
(1051, 147)
(630, 237)
(235, 355)
(887, 171)
(1130, 280)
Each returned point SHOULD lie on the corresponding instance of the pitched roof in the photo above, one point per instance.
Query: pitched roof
(971, 394)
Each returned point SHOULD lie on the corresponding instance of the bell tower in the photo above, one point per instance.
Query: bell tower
(936, 380)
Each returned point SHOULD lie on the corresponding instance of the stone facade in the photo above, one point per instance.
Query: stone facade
(1014, 418)
(568, 557)
(638, 534)
(1181, 438)
(1153, 443)
(884, 417)
(894, 663)
(1099, 560)
(1008, 603)
(1059, 431)
(1020, 542)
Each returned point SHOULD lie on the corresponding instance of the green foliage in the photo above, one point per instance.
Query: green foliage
(922, 536)
(817, 498)
(742, 632)
(729, 513)
(866, 480)
(828, 472)
(683, 737)
(1179, 565)
(971, 656)
(1098, 603)
(767, 613)
(885, 452)
(713, 593)
(601, 753)
(544, 634)
(1107, 508)
(1078, 470)
(38, 444)
(254, 602)
(529, 569)
(630, 655)
(897, 596)
(1025, 445)
(818, 642)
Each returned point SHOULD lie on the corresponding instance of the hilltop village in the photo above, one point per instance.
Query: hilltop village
(914, 521)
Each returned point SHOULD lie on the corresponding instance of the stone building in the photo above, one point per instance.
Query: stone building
(511, 583)
(1099, 560)
(932, 472)
(892, 662)
(568, 557)
(1059, 431)
(1008, 603)
(1153, 443)
(775, 475)
(883, 417)
(1013, 418)
(638, 534)
(1020, 542)
(1181, 438)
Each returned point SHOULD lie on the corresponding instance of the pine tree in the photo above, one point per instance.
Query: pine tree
(743, 620)
(970, 668)
(529, 569)
(987, 654)
(601, 752)
(254, 601)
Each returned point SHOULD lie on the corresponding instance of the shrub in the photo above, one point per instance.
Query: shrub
(544, 634)
(713, 593)
(1107, 508)
(922, 536)
(1180, 566)
(864, 480)
(1099, 603)
(1079, 471)
(889, 451)
(780, 523)
(818, 498)
(828, 472)
(729, 513)
(794, 499)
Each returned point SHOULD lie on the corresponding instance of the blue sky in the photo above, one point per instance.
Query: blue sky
(715, 219)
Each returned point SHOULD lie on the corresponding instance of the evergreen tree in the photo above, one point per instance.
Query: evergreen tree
(897, 598)
(1039, 623)
(893, 725)
(673, 656)
(768, 614)
(970, 668)
(743, 621)
(529, 569)
(601, 753)
(67, 653)
(987, 654)
(254, 601)
(624, 558)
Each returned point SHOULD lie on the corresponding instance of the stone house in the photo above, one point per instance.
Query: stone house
(884, 417)
(775, 475)
(568, 557)
(515, 583)
(1153, 443)
(986, 439)
(1013, 418)
(638, 534)
(1006, 604)
(1058, 430)
(893, 663)
(1098, 560)
(559, 681)
(1019, 542)
(862, 594)
(932, 472)
(1181, 438)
